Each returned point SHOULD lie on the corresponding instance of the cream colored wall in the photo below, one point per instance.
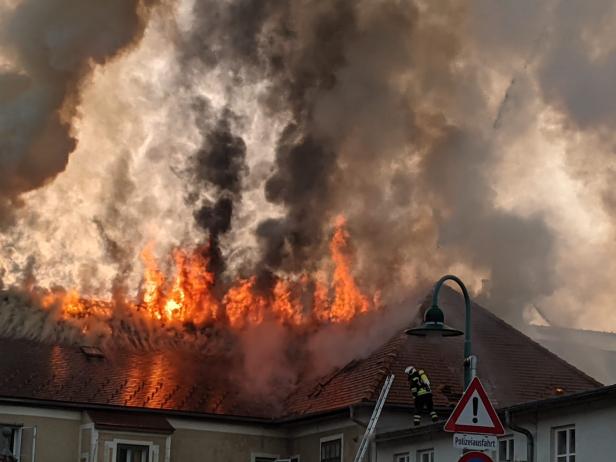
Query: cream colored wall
(309, 446)
(58, 434)
(86, 442)
(199, 445)
(130, 438)
(56, 438)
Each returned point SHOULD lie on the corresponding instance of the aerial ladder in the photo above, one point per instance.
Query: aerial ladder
(365, 441)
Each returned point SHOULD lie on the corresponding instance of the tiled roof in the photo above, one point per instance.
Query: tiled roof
(512, 367)
(173, 380)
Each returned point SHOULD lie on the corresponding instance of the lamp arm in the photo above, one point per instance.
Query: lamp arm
(467, 324)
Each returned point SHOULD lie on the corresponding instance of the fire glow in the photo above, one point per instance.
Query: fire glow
(190, 294)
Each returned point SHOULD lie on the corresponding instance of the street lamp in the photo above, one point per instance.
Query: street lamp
(434, 325)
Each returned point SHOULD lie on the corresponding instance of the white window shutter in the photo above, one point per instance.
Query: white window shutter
(155, 451)
(27, 444)
(108, 451)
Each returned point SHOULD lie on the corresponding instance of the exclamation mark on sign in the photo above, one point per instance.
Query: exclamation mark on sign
(475, 406)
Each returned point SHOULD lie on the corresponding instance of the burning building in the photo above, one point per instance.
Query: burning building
(264, 184)
(101, 403)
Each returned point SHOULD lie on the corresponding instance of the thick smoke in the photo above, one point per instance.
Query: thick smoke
(219, 168)
(52, 47)
(453, 136)
(283, 45)
(365, 102)
(555, 141)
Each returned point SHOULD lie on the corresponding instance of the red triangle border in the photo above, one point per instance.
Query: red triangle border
(497, 426)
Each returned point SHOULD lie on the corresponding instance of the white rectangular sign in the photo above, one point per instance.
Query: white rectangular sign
(477, 442)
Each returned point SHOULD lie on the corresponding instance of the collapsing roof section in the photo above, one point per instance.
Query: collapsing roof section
(513, 368)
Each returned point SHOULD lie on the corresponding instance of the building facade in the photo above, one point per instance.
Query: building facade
(53, 434)
(67, 403)
(565, 429)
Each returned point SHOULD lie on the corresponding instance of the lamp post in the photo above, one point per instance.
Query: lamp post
(434, 324)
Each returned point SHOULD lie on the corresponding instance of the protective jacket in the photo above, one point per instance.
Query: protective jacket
(420, 385)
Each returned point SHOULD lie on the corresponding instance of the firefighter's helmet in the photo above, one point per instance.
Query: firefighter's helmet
(410, 370)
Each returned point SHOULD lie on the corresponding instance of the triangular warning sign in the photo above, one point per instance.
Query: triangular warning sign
(474, 413)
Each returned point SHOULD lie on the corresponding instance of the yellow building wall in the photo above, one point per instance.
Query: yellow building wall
(199, 445)
(57, 439)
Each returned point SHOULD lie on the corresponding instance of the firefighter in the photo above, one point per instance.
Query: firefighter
(420, 388)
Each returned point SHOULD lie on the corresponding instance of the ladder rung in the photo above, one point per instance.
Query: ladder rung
(380, 403)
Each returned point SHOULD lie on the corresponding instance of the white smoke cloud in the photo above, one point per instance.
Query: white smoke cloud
(542, 71)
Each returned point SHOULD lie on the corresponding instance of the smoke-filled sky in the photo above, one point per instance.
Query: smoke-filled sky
(471, 137)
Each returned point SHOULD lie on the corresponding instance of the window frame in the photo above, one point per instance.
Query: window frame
(149, 444)
(329, 438)
(254, 455)
(508, 439)
(15, 439)
(422, 452)
(402, 454)
(134, 446)
(567, 430)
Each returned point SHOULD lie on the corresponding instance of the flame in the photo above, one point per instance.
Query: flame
(285, 304)
(189, 295)
(153, 283)
(348, 299)
(73, 305)
(243, 305)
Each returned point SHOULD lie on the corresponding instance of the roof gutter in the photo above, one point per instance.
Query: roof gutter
(530, 440)
(76, 406)
(558, 401)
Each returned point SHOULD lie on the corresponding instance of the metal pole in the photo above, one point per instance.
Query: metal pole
(467, 331)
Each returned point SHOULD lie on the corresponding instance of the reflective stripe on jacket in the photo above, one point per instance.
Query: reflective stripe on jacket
(420, 385)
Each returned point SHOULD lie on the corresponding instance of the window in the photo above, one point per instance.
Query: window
(132, 453)
(406, 457)
(126, 450)
(505, 449)
(10, 438)
(427, 455)
(564, 444)
(92, 351)
(331, 449)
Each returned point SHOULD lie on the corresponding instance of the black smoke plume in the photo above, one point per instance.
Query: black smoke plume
(370, 94)
(219, 168)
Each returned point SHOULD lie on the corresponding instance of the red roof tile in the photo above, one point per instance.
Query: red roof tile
(171, 380)
(512, 367)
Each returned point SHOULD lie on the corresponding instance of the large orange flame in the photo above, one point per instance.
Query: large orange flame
(348, 299)
(189, 296)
